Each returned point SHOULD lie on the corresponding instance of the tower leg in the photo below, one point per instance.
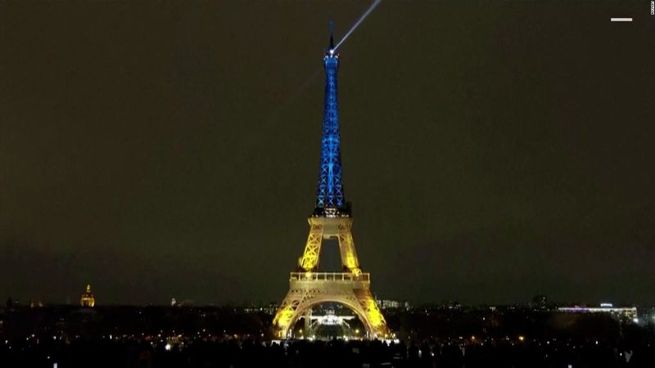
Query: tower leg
(347, 247)
(295, 304)
(369, 307)
(309, 259)
(308, 322)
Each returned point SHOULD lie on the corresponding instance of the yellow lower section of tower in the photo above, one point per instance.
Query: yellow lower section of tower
(350, 288)
(307, 289)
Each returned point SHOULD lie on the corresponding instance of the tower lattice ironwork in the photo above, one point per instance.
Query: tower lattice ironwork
(331, 218)
(329, 191)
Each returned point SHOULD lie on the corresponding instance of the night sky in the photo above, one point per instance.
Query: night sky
(492, 151)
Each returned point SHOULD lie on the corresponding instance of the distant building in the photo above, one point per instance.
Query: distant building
(36, 304)
(87, 299)
(629, 313)
(539, 302)
(392, 304)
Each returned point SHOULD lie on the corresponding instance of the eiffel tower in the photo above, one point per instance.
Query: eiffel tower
(331, 219)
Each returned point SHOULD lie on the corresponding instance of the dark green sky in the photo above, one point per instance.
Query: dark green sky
(492, 151)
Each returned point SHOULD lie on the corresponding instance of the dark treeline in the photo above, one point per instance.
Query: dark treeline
(335, 353)
(236, 337)
(70, 321)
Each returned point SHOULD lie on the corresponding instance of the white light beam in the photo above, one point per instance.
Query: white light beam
(360, 20)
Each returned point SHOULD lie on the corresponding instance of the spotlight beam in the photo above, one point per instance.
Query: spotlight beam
(359, 21)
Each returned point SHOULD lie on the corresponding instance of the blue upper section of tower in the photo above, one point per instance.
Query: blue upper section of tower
(330, 199)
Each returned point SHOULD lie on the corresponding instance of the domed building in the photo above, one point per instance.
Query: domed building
(87, 299)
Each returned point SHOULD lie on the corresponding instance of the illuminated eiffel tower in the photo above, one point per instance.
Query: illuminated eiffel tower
(331, 219)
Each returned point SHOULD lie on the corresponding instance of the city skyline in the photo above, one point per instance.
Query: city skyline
(175, 155)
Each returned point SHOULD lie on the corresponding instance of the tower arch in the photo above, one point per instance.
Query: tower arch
(353, 306)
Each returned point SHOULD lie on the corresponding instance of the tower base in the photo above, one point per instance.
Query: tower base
(307, 289)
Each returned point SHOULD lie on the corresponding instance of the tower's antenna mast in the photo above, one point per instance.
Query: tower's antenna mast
(331, 30)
